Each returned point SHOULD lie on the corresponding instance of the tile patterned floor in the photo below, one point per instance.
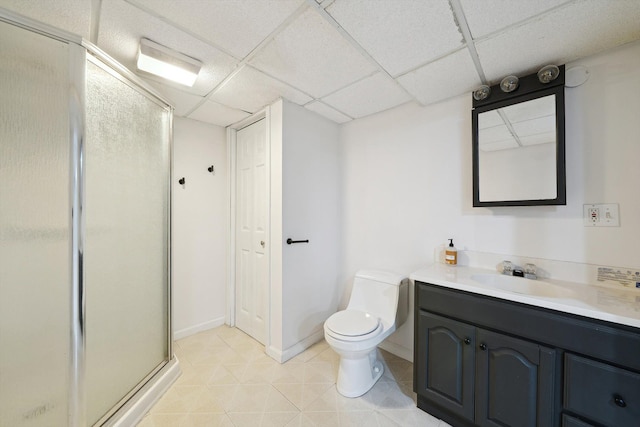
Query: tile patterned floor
(228, 381)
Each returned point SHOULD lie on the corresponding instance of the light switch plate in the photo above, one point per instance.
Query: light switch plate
(601, 215)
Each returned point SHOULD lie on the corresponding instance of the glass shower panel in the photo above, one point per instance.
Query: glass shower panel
(126, 247)
(35, 248)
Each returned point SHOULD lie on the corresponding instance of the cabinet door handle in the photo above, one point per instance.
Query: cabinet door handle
(619, 400)
(467, 341)
(483, 346)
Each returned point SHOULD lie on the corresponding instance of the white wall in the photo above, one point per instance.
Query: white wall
(532, 167)
(306, 206)
(199, 226)
(407, 183)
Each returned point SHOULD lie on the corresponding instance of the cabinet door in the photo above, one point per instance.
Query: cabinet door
(514, 382)
(445, 363)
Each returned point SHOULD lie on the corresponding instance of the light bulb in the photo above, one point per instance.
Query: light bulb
(548, 73)
(481, 93)
(509, 84)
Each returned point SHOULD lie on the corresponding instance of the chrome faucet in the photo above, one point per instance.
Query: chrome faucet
(528, 272)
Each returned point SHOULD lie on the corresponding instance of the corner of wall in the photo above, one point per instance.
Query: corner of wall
(275, 126)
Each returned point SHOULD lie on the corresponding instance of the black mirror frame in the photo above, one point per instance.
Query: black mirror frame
(530, 88)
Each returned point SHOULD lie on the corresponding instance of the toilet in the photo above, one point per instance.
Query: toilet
(378, 305)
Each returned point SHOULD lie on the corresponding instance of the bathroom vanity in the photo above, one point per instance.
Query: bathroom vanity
(492, 351)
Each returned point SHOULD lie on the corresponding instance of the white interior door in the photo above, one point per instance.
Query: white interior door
(252, 273)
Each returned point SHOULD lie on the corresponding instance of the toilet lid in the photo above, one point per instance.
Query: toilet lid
(352, 323)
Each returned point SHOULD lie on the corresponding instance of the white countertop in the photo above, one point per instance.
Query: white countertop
(604, 302)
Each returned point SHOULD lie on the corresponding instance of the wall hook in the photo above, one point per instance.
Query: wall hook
(181, 181)
(210, 169)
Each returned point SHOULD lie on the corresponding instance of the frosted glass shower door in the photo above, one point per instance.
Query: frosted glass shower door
(35, 231)
(126, 244)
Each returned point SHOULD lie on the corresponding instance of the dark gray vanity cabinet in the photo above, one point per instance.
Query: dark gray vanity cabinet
(488, 379)
(483, 361)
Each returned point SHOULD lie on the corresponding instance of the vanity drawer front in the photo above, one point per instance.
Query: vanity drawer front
(601, 392)
(568, 421)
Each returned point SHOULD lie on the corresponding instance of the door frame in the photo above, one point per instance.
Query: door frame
(232, 130)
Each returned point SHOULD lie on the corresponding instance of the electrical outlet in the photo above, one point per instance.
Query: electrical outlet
(602, 215)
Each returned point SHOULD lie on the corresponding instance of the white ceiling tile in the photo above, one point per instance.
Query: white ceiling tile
(487, 16)
(367, 96)
(217, 114)
(327, 112)
(237, 26)
(447, 77)
(495, 134)
(122, 26)
(183, 102)
(312, 56)
(73, 16)
(578, 30)
(537, 126)
(399, 35)
(250, 90)
(537, 139)
(489, 119)
(500, 145)
(540, 107)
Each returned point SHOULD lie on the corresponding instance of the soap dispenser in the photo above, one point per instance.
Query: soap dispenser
(451, 254)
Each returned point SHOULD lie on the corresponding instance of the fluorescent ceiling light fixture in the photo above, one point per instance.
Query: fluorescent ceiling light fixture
(167, 63)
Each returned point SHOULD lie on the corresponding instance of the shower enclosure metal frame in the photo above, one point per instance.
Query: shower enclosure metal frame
(81, 53)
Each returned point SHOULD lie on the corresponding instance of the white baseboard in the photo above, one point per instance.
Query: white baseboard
(284, 355)
(398, 350)
(137, 407)
(191, 330)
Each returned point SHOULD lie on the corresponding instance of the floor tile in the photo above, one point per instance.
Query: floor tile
(320, 372)
(411, 417)
(319, 419)
(358, 419)
(229, 381)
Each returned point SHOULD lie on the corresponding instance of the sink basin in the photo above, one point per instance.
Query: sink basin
(520, 285)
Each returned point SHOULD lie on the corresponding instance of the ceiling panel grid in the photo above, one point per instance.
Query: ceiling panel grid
(399, 34)
(312, 56)
(343, 59)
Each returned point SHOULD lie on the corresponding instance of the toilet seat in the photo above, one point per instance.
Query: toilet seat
(353, 324)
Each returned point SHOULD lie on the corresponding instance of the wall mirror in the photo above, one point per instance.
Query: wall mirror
(518, 145)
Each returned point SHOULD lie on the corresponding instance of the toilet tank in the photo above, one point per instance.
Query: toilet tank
(381, 293)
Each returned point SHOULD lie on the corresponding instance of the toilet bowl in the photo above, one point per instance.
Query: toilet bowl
(378, 304)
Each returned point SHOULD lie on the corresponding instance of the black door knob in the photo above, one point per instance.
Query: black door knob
(467, 341)
(619, 400)
(483, 346)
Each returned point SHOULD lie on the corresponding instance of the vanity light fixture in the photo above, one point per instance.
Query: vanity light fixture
(161, 61)
(548, 73)
(481, 93)
(509, 84)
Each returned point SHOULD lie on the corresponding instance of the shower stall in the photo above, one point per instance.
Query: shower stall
(85, 165)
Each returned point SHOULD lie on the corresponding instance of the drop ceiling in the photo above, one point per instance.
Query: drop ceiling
(343, 59)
